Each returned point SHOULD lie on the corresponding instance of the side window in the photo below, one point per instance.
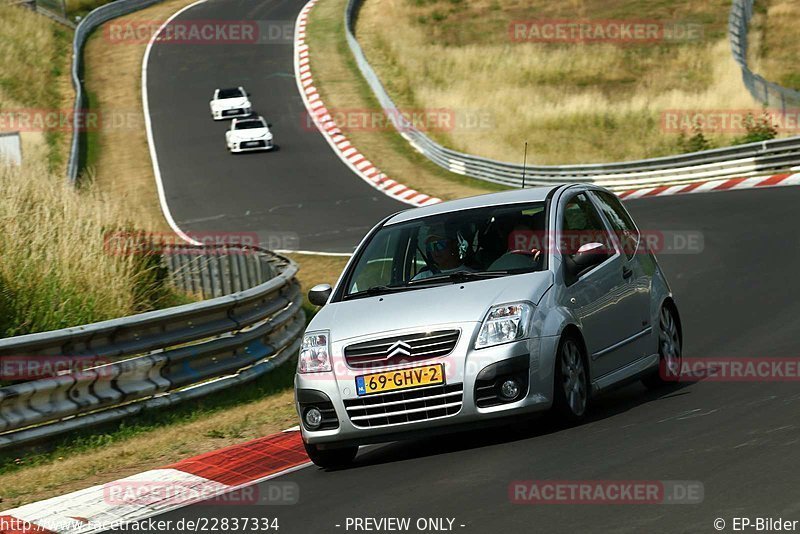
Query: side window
(581, 224)
(620, 221)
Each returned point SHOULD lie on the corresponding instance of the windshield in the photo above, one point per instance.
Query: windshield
(230, 93)
(494, 240)
(249, 125)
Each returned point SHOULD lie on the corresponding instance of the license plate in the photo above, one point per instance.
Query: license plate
(400, 379)
(251, 143)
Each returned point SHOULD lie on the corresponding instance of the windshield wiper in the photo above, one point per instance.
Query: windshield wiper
(460, 276)
(375, 290)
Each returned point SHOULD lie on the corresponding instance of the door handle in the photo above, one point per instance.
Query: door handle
(626, 272)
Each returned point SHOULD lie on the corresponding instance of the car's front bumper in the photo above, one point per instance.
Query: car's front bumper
(224, 114)
(239, 148)
(462, 367)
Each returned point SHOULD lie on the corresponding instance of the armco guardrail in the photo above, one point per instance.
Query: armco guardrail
(743, 160)
(156, 359)
(94, 19)
(214, 271)
(768, 93)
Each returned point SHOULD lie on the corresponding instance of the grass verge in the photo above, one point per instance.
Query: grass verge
(775, 45)
(56, 269)
(34, 80)
(573, 102)
(344, 90)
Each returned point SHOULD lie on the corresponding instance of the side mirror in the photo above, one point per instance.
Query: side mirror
(269, 125)
(319, 294)
(588, 256)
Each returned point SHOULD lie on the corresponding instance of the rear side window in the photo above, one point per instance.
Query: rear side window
(622, 224)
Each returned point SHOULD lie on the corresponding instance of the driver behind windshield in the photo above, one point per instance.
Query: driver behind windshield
(443, 254)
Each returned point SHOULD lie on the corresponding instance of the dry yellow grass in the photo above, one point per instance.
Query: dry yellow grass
(35, 76)
(573, 103)
(149, 450)
(773, 42)
(342, 88)
(57, 269)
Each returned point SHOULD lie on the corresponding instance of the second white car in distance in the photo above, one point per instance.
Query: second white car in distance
(230, 103)
(249, 134)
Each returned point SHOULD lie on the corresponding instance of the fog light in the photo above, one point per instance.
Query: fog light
(313, 417)
(509, 390)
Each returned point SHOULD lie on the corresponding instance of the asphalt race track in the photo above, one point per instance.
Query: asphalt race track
(300, 196)
(738, 298)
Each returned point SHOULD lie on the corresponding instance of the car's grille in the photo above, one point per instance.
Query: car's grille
(401, 349)
(421, 404)
(234, 111)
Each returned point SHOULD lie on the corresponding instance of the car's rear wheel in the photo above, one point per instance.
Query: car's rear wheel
(669, 350)
(331, 458)
(571, 391)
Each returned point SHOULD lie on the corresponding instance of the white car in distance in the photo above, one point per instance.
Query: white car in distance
(249, 134)
(230, 103)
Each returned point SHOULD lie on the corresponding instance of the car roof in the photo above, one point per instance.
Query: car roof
(515, 196)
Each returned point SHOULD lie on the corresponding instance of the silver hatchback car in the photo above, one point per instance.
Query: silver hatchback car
(467, 311)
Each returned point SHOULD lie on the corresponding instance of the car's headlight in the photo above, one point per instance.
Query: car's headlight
(315, 353)
(504, 323)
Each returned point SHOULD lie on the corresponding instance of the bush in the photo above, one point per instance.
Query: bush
(761, 129)
(695, 143)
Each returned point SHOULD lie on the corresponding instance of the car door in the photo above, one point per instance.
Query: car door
(600, 297)
(638, 264)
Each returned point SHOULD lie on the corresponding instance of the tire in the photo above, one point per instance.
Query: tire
(670, 354)
(571, 388)
(331, 458)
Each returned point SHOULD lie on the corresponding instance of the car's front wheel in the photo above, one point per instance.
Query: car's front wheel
(669, 350)
(571, 392)
(331, 458)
